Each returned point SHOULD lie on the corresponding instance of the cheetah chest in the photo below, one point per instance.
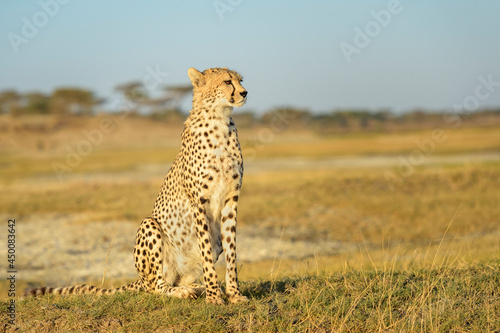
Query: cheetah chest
(224, 174)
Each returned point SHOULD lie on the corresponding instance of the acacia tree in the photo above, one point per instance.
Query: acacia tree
(135, 93)
(176, 93)
(36, 103)
(10, 102)
(73, 100)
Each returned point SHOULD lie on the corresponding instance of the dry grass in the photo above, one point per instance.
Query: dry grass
(410, 269)
(303, 144)
(443, 299)
(120, 180)
(342, 205)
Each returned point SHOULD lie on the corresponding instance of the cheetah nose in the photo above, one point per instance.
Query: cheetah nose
(244, 93)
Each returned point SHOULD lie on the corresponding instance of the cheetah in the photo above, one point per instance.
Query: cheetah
(194, 217)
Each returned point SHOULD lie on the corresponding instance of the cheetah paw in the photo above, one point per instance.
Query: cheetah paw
(215, 301)
(238, 299)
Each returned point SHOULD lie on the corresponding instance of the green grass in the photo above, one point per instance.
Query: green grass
(442, 299)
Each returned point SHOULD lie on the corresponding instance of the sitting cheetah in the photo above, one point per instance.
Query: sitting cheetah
(194, 217)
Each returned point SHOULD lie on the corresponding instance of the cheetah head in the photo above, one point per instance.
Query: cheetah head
(219, 87)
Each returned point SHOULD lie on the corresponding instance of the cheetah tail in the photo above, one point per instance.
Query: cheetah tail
(82, 289)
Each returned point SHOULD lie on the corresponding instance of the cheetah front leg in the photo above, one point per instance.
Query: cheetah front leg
(209, 274)
(228, 235)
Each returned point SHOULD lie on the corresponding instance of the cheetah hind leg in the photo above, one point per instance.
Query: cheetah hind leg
(148, 253)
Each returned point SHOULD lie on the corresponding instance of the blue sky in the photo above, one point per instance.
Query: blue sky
(426, 54)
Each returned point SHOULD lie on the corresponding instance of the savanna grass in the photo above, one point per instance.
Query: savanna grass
(442, 299)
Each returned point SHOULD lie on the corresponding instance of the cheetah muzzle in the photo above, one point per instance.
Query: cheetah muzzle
(194, 217)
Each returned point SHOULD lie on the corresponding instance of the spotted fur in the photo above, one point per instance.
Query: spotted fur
(194, 217)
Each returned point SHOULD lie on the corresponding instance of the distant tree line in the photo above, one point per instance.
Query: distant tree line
(60, 101)
(79, 101)
(348, 121)
(166, 106)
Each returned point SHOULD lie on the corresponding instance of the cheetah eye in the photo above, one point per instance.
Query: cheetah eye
(227, 82)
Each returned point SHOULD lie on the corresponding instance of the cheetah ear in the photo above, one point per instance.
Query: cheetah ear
(197, 78)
